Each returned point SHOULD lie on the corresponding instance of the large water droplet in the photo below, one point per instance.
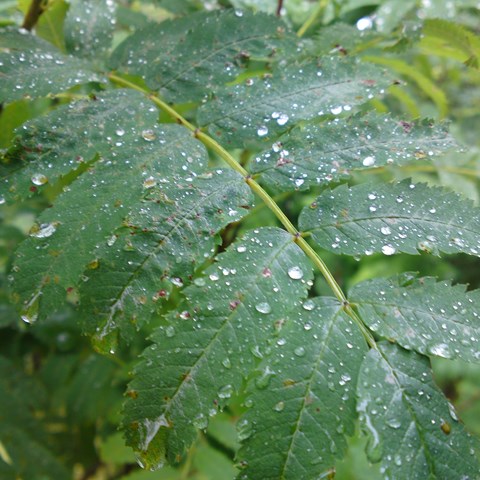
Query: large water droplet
(200, 421)
(262, 131)
(43, 231)
(39, 179)
(226, 391)
(148, 135)
(263, 380)
(295, 273)
(149, 182)
(388, 250)
(368, 161)
(440, 350)
(263, 307)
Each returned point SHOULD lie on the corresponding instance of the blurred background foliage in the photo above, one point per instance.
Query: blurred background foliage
(60, 401)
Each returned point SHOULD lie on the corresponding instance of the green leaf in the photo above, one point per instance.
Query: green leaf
(264, 108)
(168, 235)
(413, 431)
(200, 52)
(391, 218)
(424, 83)
(46, 152)
(29, 66)
(302, 403)
(89, 26)
(20, 403)
(212, 342)
(446, 38)
(50, 23)
(83, 218)
(421, 314)
(312, 155)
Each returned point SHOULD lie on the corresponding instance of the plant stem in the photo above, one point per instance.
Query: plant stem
(313, 16)
(33, 14)
(267, 199)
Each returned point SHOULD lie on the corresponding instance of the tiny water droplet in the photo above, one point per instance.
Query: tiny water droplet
(386, 230)
(120, 132)
(227, 363)
(282, 119)
(279, 407)
(241, 249)
(43, 231)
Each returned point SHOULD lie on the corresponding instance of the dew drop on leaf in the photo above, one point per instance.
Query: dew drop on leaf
(43, 231)
(200, 421)
(149, 182)
(295, 273)
(299, 351)
(39, 179)
(148, 135)
(170, 331)
(263, 307)
(262, 131)
(440, 350)
(226, 391)
(279, 407)
(368, 161)
(241, 248)
(388, 250)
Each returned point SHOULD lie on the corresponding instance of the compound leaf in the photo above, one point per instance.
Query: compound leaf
(200, 52)
(30, 66)
(302, 402)
(312, 154)
(264, 108)
(411, 427)
(430, 317)
(212, 342)
(390, 218)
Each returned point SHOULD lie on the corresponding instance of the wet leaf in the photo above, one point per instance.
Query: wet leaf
(412, 429)
(212, 342)
(391, 218)
(433, 318)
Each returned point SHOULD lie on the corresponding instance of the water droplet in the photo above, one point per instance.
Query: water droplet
(453, 413)
(309, 305)
(177, 281)
(386, 230)
(149, 182)
(111, 240)
(262, 131)
(279, 407)
(170, 331)
(244, 429)
(440, 350)
(388, 250)
(241, 249)
(238, 13)
(394, 423)
(120, 132)
(43, 231)
(299, 351)
(368, 161)
(2, 199)
(39, 179)
(148, 135)
(226, 391)
(29, 313)
(299, 182)
(214, 276)
(200, 421)
(336, 110)
(295, 273)
(199, 282)
(227, 363)
(263, 380)
(263, 307)
(282, 119)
